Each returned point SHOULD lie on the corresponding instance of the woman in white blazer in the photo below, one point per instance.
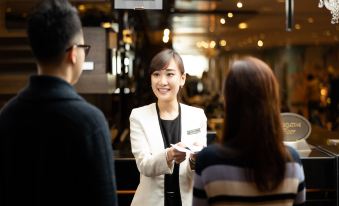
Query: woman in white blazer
(166, 173)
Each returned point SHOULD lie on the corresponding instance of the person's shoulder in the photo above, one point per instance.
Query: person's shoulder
(192, 109)
(143, 109)
(84, 112)
(8, 108)
(10, 103)
(294, 154)
(209, 151)
(85, 107)
(206, 157)
(217, 154)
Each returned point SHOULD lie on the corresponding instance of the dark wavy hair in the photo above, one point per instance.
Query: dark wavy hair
(253, 126)
(51, 28)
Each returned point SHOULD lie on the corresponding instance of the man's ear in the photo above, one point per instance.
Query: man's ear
(72, 55)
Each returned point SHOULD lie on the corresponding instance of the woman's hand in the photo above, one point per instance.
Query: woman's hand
(193, 156)
(176, 155)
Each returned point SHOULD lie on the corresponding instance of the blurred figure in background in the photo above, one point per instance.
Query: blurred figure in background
(191, 94)
(252, 166)
(55, 147)
(313, 99)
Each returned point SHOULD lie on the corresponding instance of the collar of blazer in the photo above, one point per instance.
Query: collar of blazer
(152, 126)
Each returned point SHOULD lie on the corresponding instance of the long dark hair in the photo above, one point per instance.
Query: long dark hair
(252, 121)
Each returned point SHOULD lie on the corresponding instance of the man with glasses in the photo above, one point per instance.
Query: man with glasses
(55, 148)
(84, 46)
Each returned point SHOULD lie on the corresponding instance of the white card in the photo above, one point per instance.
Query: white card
(192, 149)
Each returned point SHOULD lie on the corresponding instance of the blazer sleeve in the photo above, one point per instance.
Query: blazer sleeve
(203, 128)
(149, 164)
(202, 138)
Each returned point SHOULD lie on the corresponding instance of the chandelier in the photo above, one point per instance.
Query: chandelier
(333, 6)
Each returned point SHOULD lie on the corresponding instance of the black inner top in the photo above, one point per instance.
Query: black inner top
(171, 134)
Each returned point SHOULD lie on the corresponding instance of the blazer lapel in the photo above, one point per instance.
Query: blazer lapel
(184, 124)
(155, 137)
(190, 130)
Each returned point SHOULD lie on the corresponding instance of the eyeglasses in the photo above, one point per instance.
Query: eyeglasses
(84, 46)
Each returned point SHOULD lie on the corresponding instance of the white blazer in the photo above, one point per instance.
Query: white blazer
(149, 152)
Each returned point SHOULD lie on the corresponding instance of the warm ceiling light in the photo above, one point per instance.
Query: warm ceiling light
(281, 1)
(212, 44)
(310, 20)
(222, 21)
(260, 43)
(165, 39)
(297, 26)
(166, 32)
(242, 25)
(230, 15)
(222, 42)
(81, 7)
(239, 4)
(202, 44)
(323, 92)
(205, 44)
(106, 25)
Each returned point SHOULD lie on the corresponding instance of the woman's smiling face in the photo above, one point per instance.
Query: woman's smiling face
(167, 82)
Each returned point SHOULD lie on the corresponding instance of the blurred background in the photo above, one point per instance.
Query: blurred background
(300, 44)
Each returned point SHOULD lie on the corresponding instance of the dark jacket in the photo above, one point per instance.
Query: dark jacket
(55, 148)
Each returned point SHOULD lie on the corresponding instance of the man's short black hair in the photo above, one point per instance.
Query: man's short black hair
(52, 26)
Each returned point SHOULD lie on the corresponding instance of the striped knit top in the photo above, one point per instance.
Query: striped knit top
(220, 181)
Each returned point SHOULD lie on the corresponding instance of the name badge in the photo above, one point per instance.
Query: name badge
(193, 131)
